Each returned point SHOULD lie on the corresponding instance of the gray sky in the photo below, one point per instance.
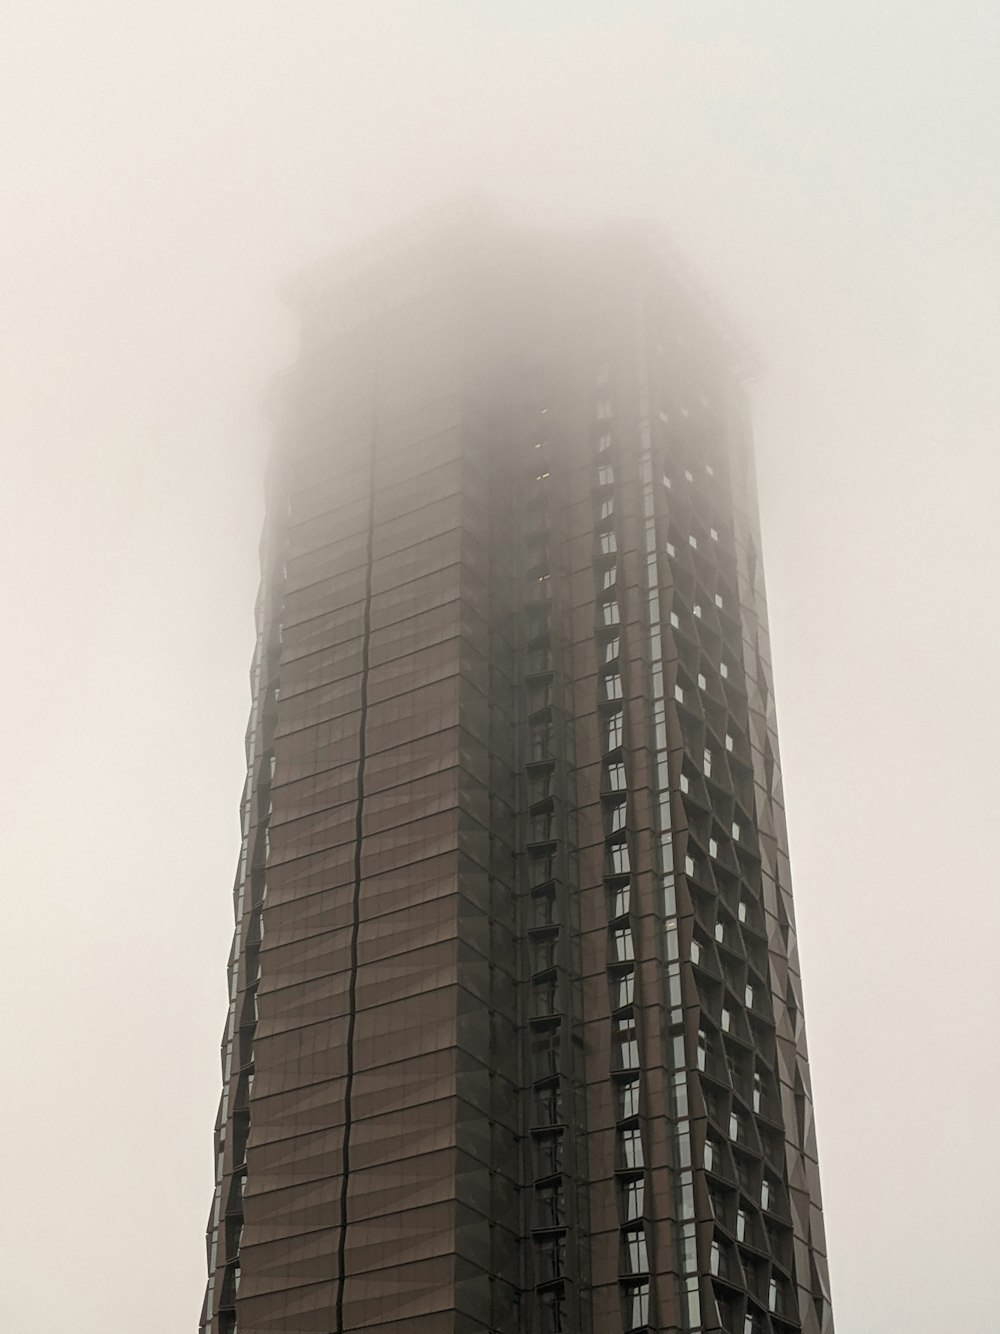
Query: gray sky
(833, 171)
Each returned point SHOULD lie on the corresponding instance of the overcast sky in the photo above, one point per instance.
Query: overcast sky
(832, 170)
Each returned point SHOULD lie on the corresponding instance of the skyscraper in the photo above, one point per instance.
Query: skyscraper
(515, 1038)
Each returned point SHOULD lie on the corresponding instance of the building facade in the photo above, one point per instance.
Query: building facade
(515, 1040)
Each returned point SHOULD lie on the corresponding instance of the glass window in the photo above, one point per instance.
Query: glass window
(551, 1205)
(671, 549)
(616, 776)
(702, 683)
(636, 1260)
(546, 997)
(604, 442)
(757, 1091)
(544, 912)
(628, 1099)
(692, 539)
(718, 600)
(707, 763)
(620, 896)
(545, 1053)
(713, 848)
(675, 620)
(604, 409)
(612, 686)
(609, 544)
(723, 669)
(630, 1142)
(605, 475)
(611, 648)
(550, 1256)
(748, 996)
(734, 1127)
(633, 1195)
(729, 742)
(679, 694)
(548, 1153)
(626, 1043)
(735, 831)
(543, 953)
(685, 785)
(609, 613)
(540, 830)
(539, 785)
(616, 814)
(607, 507)
(765, 1194)
(716, 1256)
(704, 1049)
(727, 1020)
(714, 534)
(554, 1311)
(636, 1305)
(548, 1105)
(621, 944)
(695, 952)
(618, 859)
(709, 1156)
(622, 989)
(772, 1295)
(613, 730)
(540, 741)
(540, 869)
(741, 1225)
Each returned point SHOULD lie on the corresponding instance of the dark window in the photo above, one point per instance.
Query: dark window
(550, 1257)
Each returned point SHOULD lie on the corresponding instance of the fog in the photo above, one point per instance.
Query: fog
(832, 172)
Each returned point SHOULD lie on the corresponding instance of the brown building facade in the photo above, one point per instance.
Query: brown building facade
(515, 1039)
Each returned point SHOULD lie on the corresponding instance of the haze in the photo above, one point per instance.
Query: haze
(832, 171)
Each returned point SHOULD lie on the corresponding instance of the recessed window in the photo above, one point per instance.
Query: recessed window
(622, 994)
(693, 541)
(609, 544)
(697, 610)
(626, 1044)
(741, 1225)
(636, 1259)
(540, 827)
(615, 815)
(604, 443)
(667, 482)
(539, 785)
(703, 1049)
(734, 1127)
(748, 996)
(772, 1295)
(702, 683)
(758, 1092)
(611, 649)
(609, 612)
(723, 669)
(636, 1303)
(612, 686)
(720, 932)
(687, 474)
(551, 1204)
(741, 910)
(604, 409)
(555, 1314)
(709, 1156)
(729, 742)
(622, 948)
(550, 1256)
(736, 831)
(543, 953)
(710, 470)
(607, 507)
(609, 577)
(628, 1098)
(620, 900)
(707, 763)
(613, 725)
(616, 776)
(714, 533)
(633, 1197)
(726, 1020)
(618, 858)
(688, 865)
(713, 848)
(675, 620)
(685, 785)
(605, 475)
(548, 1105)
(679, 694)
(548, 1153)
(543, 908)
(695, 952)
(765, 1194)
(715, 1257)
(540, 869)
(545, 1053)
(630, 1145)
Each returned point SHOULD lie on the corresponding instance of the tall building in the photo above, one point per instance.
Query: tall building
(515, 1039)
